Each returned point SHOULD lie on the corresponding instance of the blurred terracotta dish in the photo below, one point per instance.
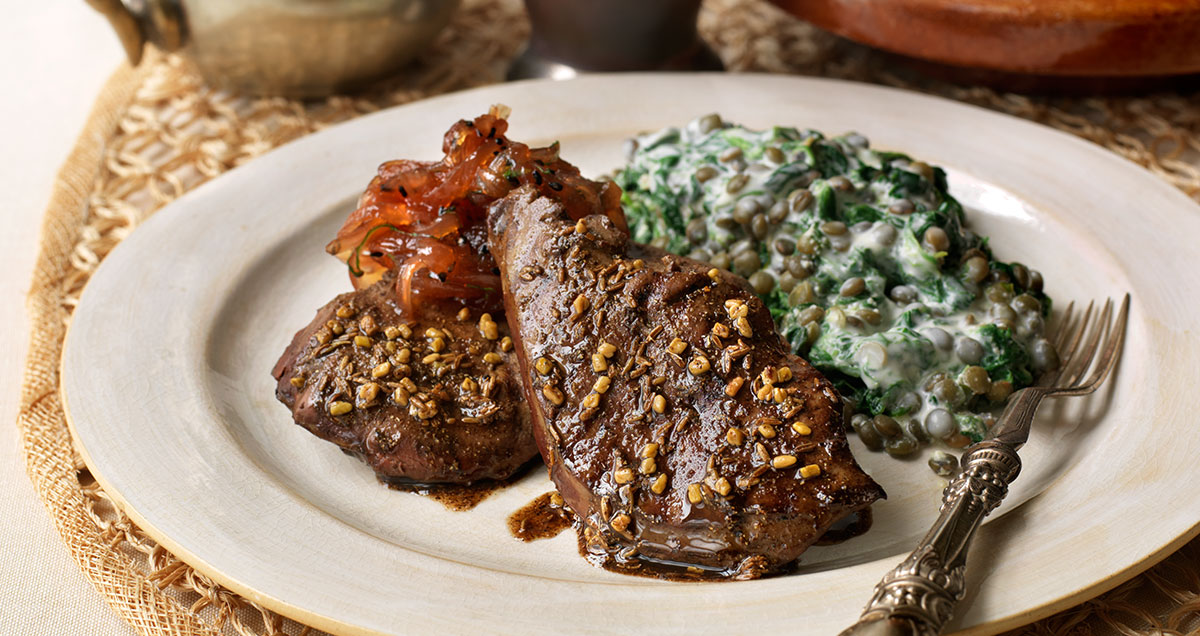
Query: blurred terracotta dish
(1081, 38)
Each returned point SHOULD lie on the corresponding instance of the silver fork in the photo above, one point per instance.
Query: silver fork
(918, 596)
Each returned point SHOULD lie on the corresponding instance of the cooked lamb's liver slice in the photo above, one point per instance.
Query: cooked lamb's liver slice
(674, 420)
(422, 401)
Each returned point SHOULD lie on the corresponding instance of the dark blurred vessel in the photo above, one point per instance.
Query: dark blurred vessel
(577, 36)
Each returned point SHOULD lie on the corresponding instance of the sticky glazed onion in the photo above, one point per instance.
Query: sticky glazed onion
(428, 219)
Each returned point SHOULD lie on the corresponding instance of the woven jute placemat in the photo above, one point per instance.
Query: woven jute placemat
(157, 131)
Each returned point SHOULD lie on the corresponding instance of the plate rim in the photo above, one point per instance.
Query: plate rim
(333, 624)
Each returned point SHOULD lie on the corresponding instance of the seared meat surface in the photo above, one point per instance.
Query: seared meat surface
(674, 420)
(422, 401)
(443, 409)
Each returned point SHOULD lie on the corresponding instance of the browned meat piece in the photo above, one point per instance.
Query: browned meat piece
(421, 401)
(419, 231)
(676, 423)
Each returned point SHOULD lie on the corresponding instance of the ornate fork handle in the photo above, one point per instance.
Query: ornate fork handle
(918, 596)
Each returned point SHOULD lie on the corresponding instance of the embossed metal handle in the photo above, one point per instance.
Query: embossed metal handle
(918, 596)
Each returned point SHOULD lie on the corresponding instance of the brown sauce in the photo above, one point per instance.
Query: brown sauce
(462, 498)
(847, 528)
(453, 496)
(542, 518)
(458, 497)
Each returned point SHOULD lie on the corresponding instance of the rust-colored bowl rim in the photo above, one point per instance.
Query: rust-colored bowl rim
(1082, 38)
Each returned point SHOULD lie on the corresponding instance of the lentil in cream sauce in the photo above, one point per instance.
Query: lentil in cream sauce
(865, 261)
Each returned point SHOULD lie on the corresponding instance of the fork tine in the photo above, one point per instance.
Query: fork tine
(1062, 331)
(1064, 324)
(1083, 359)
(1077, 334)
(1115, 343)
(1066, 350)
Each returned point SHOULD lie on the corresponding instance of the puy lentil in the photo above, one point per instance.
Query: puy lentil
(802, 294)
(1026, 304)
(796, 265)
(1002, 312)
(762, 282)
(900, 446)
(841, 183)
(704, 173)
(1021, 275)
(853, 287)
(999, 292)
(1044, 357)
(901, 207)
(736, 183)
(884, 234)
(940, 338)
(811, 314)
(914, 429)
(800, 200)
(777, 212)
(1035, 281)
(903, 294)
(745, 209)
(720, 260)
(710, 122)
(867, 432)
(759, 226)
(999, 391)
(887, 426)
(697, 231)
(833, 228)
(940, 424)
(747, 263)
(937, 239)
(943, 464)
(976, 269)
(976, 379)
(969, 350)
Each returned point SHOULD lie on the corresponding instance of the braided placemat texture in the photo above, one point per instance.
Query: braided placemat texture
(156, 131)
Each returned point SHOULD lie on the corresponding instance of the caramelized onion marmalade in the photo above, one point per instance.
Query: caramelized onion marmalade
(428, 219)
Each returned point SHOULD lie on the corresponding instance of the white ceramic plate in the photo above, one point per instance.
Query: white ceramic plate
(166, 376)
